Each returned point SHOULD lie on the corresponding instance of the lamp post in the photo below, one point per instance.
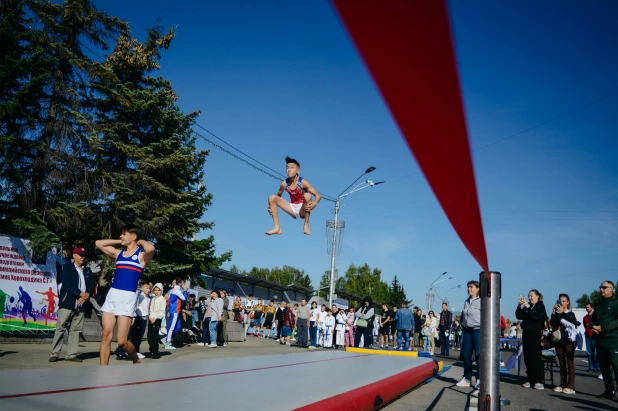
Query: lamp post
(333, 259)
(449, 291)
(432, 287)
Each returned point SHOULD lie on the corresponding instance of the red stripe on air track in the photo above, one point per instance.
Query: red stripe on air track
(363, 398)
(188, 377)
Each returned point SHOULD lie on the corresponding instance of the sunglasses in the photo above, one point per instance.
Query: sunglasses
(603, 287)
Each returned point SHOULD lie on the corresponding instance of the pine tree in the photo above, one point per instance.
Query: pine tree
(44, 172)
(89, 145)
(148, 168)
(397, 293)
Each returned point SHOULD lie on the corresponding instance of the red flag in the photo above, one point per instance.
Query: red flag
(407, 48)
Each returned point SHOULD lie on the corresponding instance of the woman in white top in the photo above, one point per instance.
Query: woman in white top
(313, 325)
(433, 326)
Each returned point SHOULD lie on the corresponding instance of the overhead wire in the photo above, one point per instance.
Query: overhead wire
(543, 123)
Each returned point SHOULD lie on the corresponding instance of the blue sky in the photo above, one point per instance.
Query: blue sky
(282, 78)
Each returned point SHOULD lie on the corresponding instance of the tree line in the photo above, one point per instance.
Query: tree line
(359, 280)
(92, 138)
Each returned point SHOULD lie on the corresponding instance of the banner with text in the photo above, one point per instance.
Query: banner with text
(28, 292)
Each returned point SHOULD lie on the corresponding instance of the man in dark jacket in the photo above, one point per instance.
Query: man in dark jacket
(77, 286)
(279, 316)
(444, 327)
(604, 326)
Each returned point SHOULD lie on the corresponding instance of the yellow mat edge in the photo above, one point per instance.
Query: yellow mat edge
(382, 352)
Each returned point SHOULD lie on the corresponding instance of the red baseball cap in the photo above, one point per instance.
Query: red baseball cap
(79, 250)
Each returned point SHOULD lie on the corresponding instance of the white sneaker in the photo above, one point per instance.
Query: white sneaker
(200, 344)
(311, 347)
(463, 383)
(278, 339)
(526, 385)
(225, 344)
(600, 377)
(169, 347)
(478, 384)
(293, 340)
(212, 346)
(140, 355)
(539, 386)
(558, 389)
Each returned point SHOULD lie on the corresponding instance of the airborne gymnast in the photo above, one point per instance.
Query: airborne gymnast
(302, 201)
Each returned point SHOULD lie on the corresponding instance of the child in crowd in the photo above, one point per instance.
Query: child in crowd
(155, 316)
(329, 327)
(342, 319)
(269, 319)
(427, 334)
(321, 329)
(203, 307)
(257, 318)
(349, 328)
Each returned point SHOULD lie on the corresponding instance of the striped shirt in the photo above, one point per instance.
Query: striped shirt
(128, 271)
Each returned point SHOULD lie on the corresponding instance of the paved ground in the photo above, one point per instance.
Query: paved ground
(440, 394)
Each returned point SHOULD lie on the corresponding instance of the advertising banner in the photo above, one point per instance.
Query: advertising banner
(28, 292)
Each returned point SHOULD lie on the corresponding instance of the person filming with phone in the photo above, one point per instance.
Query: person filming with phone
(564, 324)
(533, 315)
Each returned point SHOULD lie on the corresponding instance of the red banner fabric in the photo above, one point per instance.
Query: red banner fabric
(406, 46)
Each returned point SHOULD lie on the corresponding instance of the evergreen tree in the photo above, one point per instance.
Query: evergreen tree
(89, 145)
(45, 172)
(397, 293)
(148, 168)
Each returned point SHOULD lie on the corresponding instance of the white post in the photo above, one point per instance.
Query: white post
(333, 256)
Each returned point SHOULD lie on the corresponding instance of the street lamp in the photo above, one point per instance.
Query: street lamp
(432, 287)
(449, 291)
(361, 186)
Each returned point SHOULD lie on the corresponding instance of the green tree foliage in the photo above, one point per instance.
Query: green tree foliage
(397, 293)
(325, 283)
(594, 298)
(362, 281)
(286, 275)
(90, 144)
(45, 181)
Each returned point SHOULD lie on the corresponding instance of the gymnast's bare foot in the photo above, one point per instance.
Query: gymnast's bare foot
(306, 229)
(276, 230)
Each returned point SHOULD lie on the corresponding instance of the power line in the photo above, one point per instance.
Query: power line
(553, 277)
(543, 123)
(241, 152)
(503, 210)
(324, 196)
(485, 218)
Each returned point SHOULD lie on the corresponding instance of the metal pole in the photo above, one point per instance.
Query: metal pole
(333, 256)
(491, 291)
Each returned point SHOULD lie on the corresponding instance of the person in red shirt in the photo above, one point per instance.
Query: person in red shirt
(591, 343)
(300, 191)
